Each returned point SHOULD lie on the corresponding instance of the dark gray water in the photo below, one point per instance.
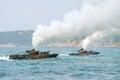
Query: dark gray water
(105, 66)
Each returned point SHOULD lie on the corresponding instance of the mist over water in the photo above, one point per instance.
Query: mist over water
(95, 20)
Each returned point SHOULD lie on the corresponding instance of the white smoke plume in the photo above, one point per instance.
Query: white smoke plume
(95, 20)
(98, 35)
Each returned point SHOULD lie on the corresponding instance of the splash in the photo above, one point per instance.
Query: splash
(92, 22)
(64, 55)
(4, 58)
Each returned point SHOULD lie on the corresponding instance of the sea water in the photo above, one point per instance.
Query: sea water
(105, 66)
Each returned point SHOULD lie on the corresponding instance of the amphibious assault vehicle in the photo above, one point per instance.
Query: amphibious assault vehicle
(33, 54)
(84, 52)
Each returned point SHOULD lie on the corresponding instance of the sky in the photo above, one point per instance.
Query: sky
(27, 14)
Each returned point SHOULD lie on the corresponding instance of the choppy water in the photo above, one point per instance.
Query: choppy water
(105, 66)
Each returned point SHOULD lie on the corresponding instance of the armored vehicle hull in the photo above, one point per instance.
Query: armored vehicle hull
(84, 52)
(87, 53)
(33, 55)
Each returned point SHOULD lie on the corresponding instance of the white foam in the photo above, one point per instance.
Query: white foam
(63, 54)
(4, 58)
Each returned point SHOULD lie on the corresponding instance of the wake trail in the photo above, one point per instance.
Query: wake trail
(4, 58)
(63, 55)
